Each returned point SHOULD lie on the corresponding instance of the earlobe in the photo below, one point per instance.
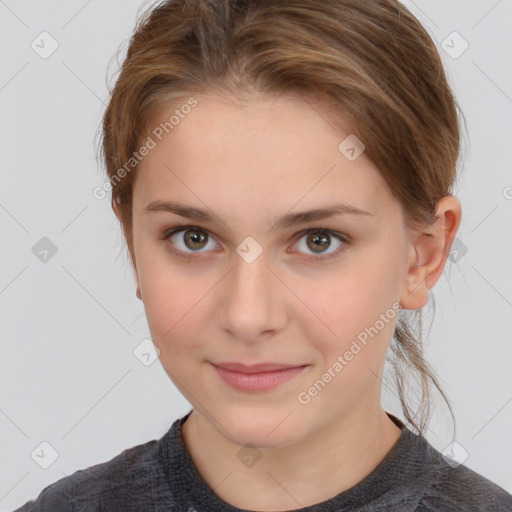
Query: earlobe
(115, 207)
(136, 276)
(415, 295)
(137, 284)
(429, 252)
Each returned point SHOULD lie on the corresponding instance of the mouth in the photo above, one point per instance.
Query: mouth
(258, 377)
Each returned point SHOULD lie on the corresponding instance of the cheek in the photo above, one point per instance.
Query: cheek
(166, 292)
(356, 307)
(352, 351)
(177, 305)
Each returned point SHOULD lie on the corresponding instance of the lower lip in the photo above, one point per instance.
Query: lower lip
(257, 381)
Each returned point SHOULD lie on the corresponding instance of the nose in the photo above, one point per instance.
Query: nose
(252, 303)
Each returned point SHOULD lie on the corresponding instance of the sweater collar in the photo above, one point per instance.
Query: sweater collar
(388, 483)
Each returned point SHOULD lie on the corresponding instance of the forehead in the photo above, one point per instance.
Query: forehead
(269, 150)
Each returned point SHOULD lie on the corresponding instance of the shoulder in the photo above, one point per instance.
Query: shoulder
(455, 487)
(109, 485)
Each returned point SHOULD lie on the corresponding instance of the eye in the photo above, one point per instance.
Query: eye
(189, 238)
(319, 240)
(192, 239)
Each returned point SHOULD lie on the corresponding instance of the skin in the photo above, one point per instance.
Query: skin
(249, 163)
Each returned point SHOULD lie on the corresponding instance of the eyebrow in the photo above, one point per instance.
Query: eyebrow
(285, 221)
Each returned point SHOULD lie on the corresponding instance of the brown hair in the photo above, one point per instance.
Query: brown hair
(369, 59)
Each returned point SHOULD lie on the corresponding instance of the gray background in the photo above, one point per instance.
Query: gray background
(69, 325)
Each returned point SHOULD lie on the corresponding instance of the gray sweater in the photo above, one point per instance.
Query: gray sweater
(160, 476)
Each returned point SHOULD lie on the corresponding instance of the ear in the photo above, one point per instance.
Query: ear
(136, 275)
(429, 249)
(115, 207)
(137, 284)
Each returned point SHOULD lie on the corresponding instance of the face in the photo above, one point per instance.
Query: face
(319, 295)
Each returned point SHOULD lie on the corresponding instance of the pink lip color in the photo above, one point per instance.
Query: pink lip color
(259, 381)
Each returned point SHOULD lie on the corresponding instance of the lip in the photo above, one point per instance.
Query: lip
(255, 368)
(257, 377)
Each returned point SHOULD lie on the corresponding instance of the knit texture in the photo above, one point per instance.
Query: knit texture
(160, 476)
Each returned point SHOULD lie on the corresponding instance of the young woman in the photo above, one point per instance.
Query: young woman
(282, 172)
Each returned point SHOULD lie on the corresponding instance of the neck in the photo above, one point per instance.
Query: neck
(337, 457)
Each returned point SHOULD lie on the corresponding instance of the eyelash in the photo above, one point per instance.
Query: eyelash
(340, 236)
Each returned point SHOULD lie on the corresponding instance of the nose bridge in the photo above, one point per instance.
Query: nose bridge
(250, 281)
(250, 303)
(250, 274)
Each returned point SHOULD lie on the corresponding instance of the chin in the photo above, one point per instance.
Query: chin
(261, 428)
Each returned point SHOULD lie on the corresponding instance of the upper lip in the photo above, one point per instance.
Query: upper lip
(256, 368)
